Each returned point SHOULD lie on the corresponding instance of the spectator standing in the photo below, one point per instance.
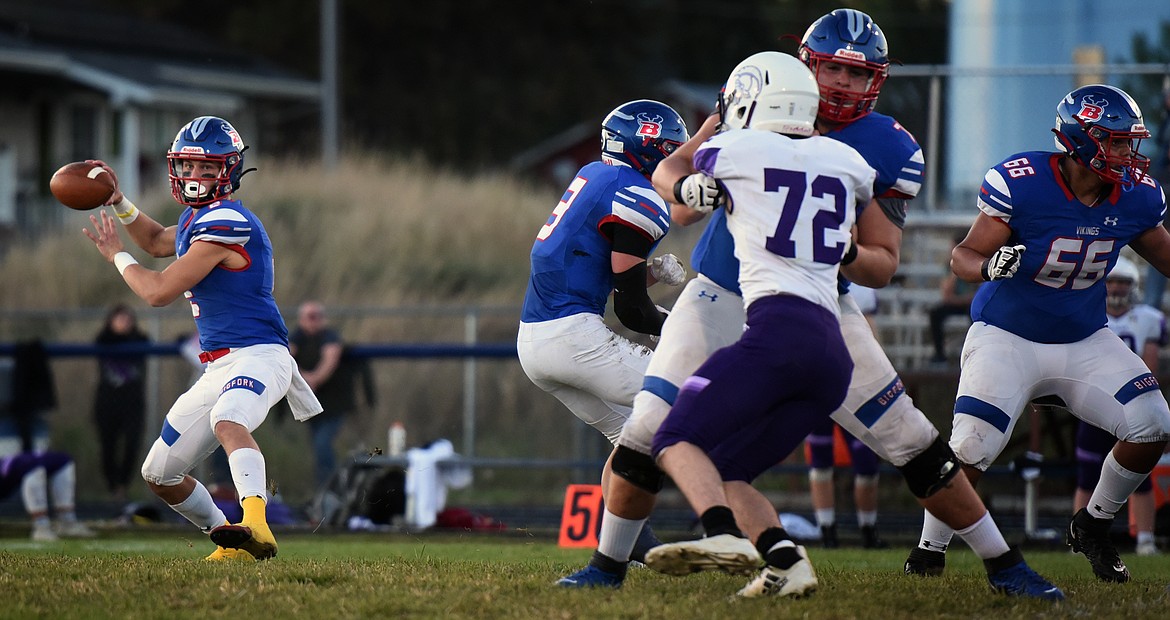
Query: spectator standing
(119, 406)
(318, 349)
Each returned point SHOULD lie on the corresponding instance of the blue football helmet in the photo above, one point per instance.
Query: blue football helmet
(640, 134)
(1101, 127)
(848, 37)
(207, 138)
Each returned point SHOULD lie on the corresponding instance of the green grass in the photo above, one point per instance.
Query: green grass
(160, 574)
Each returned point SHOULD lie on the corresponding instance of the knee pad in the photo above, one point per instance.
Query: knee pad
(931, 470)
(638, 469)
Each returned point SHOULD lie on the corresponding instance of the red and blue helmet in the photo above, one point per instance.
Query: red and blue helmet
(640, 134)
(1092, 118)
(207, 138)
(848, 37)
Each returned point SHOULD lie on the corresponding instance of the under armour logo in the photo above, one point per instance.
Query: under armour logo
(710, 296)
(1111, 221)
(927, 545)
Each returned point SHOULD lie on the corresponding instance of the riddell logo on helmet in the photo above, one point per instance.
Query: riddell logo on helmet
(850, 55)
(192, 149)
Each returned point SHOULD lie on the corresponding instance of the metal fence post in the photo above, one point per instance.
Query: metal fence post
(470, 336)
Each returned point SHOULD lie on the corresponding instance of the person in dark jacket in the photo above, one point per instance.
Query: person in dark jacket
(119, 406)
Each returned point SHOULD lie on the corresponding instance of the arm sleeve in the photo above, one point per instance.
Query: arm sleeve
(632, 305)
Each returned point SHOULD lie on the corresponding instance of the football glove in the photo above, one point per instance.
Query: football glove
(1003, 263)
(668, 269)
(699, 192)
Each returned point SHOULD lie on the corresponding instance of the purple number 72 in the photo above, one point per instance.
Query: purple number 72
(782, 242)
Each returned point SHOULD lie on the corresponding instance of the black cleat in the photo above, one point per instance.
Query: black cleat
(925, 562)
(1090, 536)
(829, 536)
(870, 538)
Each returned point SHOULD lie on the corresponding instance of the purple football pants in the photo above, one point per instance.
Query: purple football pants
(752, 403)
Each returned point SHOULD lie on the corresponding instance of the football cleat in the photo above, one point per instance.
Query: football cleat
(73, 529)
(591, 577)
(829, 536)
(43, 534)
(1147, 548)
(870, 538)
(1021, 580)
(645, 542)
(725, 552)
(256, 539)
(222, 554)
(925, 562)
(797, 580)
(1090, 536)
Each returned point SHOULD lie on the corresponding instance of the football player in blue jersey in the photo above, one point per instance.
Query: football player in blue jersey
(1051, 225)
(225, 271)
(849, 56)
(596, 242)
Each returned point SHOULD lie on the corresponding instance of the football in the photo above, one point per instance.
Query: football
(82, 186)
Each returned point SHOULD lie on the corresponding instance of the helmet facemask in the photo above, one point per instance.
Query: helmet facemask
(840, 105)
(197, 188)
(1126, 169)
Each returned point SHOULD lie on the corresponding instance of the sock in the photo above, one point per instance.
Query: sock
(719, 520)
(1145, 538)
(826, 516)
(607, 564)
(248, 473)
(984, 538)
(936, 535)
(33, 491)
(1113, 489)
(200, 509)
(61, 486)
(618, 536)
(777, 548)
(42, 522)
(1007, 559)
(866, 518)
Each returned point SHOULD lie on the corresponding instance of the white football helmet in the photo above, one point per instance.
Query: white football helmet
(770, 91)
(1121, 285)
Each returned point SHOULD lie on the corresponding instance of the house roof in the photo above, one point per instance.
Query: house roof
(136, 60)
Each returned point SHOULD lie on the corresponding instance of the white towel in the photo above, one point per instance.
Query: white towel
(426, 482)
(301, 399)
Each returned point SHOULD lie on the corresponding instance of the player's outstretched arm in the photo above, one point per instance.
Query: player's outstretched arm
(678, 165)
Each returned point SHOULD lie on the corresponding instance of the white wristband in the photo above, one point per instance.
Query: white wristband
(125, 210)
(122, 260)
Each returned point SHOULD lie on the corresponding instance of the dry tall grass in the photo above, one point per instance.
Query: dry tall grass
(372, 233)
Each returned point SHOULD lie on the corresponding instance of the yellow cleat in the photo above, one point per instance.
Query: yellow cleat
(254, 538)
(229, 555)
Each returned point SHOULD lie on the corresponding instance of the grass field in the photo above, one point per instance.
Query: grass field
(160, 574)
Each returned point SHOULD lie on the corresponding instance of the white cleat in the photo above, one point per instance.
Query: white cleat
(798, 580)
(43, 534)
(730, 554)
(1147, 549)
(73, 529)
